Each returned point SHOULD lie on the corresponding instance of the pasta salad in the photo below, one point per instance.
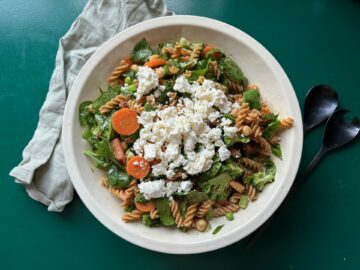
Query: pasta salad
(181, 135)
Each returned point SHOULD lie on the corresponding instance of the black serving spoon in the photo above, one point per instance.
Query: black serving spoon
(338, 132)
(320, 102)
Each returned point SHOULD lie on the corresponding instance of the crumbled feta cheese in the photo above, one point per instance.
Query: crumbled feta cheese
(182, 85)
(172, 187)
(225, 122)
(152, 189)
(149, 151)
(157, 93)
(185, 186)
(147, 81)
(172, 133)
(230, 132)
(199, 162)
(159, 188)
(213, 116)
(224, 153)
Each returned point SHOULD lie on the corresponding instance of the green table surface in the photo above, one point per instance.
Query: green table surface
(315, 41)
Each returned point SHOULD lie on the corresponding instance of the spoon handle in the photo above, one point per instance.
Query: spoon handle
(299, 180)
(302, 177)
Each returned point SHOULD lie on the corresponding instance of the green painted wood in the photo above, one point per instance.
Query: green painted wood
(316, 41)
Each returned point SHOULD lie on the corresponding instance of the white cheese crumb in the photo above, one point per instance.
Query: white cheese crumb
(147, 81)
(225, 122)
(224, 153)
(149, 151)
(230, 132)
(152, 189)
(185, 186)
(159, 188)
(182, 85)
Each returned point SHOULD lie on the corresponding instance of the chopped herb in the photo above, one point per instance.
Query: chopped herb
(217, 229)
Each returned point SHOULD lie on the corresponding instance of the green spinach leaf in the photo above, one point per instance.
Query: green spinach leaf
(117, 177)
(141, 52)
(253, 98)
(271, 129)
(166, 218)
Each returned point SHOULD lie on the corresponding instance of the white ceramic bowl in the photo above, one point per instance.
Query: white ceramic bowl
(258, 65)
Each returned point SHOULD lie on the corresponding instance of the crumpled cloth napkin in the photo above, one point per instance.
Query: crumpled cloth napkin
(42, 170)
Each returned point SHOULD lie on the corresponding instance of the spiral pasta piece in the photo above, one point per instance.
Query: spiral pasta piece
(135, 106)
(112, 103)
(237, 186)
(154, 213)
(256, 131)
(265, 147)
(252, 116)
(196, 50)
(132, 216)
(123, 67)
(241, 114)
(204, 208)
(190, 214)
(251, 192)
(251, 164)
(286, 123)
(234, 86)
(235, 197)
(220, 211)
(215, 69)
(175, 210)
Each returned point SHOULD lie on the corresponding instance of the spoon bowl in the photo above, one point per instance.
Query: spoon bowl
(320, 102)
(339, 131)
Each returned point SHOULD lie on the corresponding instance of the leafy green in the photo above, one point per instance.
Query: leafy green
(86, 118)
(213, 171)
(229, 116)
(217, 229)
(139, 198)
(209, 214)
(105, 96)
(117, 177)
(183, 207)
(253, 98)
(147, 221)
(130, 208)
(141, 52)
(168, 87)
(231, 141)
(231, 71)
(260, 179)
(195, 197)
(100, 161)
(271, 129)
(195, 74)
(243, 202)
(166, 218)
(217, 188)
(276, 150)
(233, 168)
(269, 117)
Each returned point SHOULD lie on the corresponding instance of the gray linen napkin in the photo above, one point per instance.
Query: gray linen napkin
(42, 170)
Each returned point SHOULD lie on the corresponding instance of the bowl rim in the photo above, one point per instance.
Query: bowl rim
(70, 157)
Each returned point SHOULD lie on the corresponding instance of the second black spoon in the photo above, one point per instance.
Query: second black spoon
(320, 102)
(338, 132)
